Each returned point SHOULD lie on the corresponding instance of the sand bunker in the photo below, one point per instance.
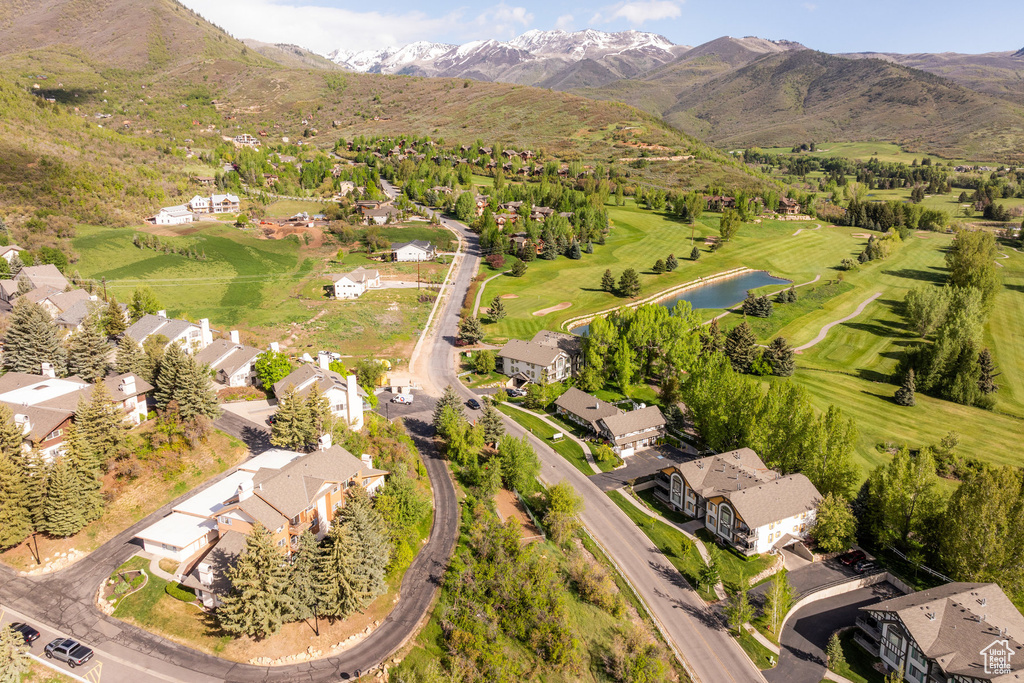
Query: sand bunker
(551, 309)
(861, 234)
(509, 296)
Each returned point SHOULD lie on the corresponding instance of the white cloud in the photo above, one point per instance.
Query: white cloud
(565, 22)
(810, 6)
(640, 12)
(325, 29)
(503, 21)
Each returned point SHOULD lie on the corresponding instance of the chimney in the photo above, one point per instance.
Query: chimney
(275, 347)
(367, 460)
(204, 325)
(244, 490)
(46, 370)
(234, 337)
(161, 314)
(128, 385)
(23, 421)
(353, 404)
(325, 441)
(324, 360)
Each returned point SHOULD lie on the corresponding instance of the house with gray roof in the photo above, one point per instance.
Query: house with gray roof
(631, 431)
(353, 284)
(231, 361)
(583, 409)
(343, 394)
(956, 633)
(741, 500)
(46, 276)
(193, 337)
(417, 250)
(548, 357)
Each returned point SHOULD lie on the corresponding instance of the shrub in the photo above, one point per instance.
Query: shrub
(179, 592)
(496, 261)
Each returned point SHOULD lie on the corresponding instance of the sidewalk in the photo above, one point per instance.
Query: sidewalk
(545, 420)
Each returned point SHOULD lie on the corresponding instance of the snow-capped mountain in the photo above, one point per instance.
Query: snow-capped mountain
(550, 58)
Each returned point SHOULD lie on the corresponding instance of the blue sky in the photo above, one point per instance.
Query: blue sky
(827, 25)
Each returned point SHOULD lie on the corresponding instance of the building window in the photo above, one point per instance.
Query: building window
(54, 434)
(225, 520)
(280, 544)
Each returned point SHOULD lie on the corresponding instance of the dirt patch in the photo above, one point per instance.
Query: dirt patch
(171, 230)
(279, 232)
(923, 235)
(509, 296)
(508, 506)
(863, 235)
(551, 309)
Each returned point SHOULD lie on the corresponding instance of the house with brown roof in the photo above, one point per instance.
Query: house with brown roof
(629, 432)
(583, 409)
(232, 362)
(956, 633)
(353, 284)
(789, 207)
(34, 277)
(741, 501)
(548, 357)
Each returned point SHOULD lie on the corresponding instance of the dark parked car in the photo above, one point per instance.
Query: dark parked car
(27, 632)
(473, 403)
(70, 651)
(864, 566)
(851, 558)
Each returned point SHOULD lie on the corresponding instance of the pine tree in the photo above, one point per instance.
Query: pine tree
(16, 266)
(779, 355)
(518, 269)
(671, 263)
(711, 340)
(11, 435)
(319, 412)
(834, 654)
(694, 254)
(84, 465)
(130, 358)
(302, 584)
(659, 267)
(905, 394)
(740, 347)
(332, 579)
(492, 424)
(87, 352)
(14, 654)
(258, 602)
(987, 373)
(449, 399)
(171, 365)
(608, 282)
(113, 319)
(371, 542)
(470, 330)
(574, 252)
(37, 477)
(629, 283)
(293, 425)
(15, 517)
(61, 514)
(24, 286)
(497, 310)
(100, 423)
(32, 339)
(791, 295)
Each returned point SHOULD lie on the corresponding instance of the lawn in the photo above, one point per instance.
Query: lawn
(884, 151)
(286, 208)
(859, 666)
(566, 447)
(762, 657)
(40, 673)
(809, 298)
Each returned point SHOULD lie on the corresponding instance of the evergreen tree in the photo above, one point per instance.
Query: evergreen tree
(130, 358)
(332, 579)
(61, 514)
(791, 295)
(987, 373)
(16, 266)
(497, 310)
(449, 399)
(659, 267)
(319, 412)
(470, 330)
(834, 653)
(779, 356)
(37, 477)
(549, 252)
(371, 546)
(14, 654)
(11, 435)
(15, 517)
(694, 254)
(492, 425)
(100, 423)
(293, 426)
(518, 269)
(88, 351)
(143, 302)
(302, 583)
(32, 339)
(671, 263)
(24, 287)
(905, 394)
(113, 319)
(194, 391)
(740, 347)
(574, 252)
(711, 340)
(258, 601)
(172, 364)
(608, 282)
(629, 283)
(85, 467)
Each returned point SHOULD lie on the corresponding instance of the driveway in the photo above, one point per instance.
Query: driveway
(247, 420)
(806, 579)
(803, 642)
(641, 464)
(421, 403)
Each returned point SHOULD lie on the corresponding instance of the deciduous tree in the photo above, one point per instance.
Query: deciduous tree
(271, 367)
(564, 507)
(834, 528)
(143, 302)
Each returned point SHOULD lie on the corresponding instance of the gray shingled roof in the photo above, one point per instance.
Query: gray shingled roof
(221, 557)
(42, 420)
(954, 623)
(46, 274)
(419, 244)
(529, 352)
(224, 355)
(716, 474)
(585, 406)
(70, 400)
(293, 488)
(65, 300)
(327, 379)
(572, 344)
(620, 423)
(771, 501)
(151, 324)
(360, 274)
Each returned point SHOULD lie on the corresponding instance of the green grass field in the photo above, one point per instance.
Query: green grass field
(884, 151)
(567, 448)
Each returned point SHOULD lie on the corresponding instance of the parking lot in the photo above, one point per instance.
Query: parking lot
(256, 412)
(641, 464)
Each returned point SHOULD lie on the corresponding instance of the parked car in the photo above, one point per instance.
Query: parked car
(70, 651)
(473, 403)
(851, 558)
(402, 398)
(27, 632)
(864, 566)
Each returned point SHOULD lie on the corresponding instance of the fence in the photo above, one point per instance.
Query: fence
(918, 565)
(529, 511)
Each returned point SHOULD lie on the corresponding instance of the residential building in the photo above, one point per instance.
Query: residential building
(193, 337)
(634, 430)
(381, 216)
(354, 284)
(46, 275)
(417, 250)
(246, 140)
(199, 204)
(548, 357)
(10, 251)
(56, 301)
(583, 409)
(344, 394)
(956, 633)
(224, 203)
(287, 497)
(788, 206)
(44, 406)
(72, 318)
(743, 502)
(231, 361)
(173, 215)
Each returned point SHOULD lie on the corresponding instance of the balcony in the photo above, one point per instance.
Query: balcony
(869, 627)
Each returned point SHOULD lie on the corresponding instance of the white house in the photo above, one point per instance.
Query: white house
(193, 337)
(548, 357)
(173, 215)
(344, 394)
(231, 360)
(177, 536)
(742, 501)
(224, 203)
(10, 251)
(417, 250)
(354, 284)
(634, 430)
(199, 204)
